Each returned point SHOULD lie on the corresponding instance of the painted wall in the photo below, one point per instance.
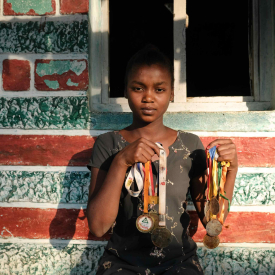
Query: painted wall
(47, 135)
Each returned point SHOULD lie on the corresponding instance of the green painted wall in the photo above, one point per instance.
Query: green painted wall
(52, 259)
(49, 36)
(72, 187)
(44, 113)
(39, 7)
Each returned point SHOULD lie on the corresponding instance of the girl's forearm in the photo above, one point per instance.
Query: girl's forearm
(229, 188)
(103, 207)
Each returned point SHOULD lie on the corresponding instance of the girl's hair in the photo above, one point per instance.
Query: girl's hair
(149, 55)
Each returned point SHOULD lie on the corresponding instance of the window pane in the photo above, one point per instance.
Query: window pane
(217, 48)
(134, 24)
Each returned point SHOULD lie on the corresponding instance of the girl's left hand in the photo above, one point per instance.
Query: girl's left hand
(227, 152)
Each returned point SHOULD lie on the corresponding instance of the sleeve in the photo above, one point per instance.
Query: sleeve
(198, 157)
(101, 155)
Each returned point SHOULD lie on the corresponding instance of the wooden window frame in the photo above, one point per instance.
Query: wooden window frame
(262, 68)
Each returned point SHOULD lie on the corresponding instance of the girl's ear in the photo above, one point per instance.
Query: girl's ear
(172, 96)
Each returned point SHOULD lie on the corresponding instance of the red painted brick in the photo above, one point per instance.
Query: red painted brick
(9, 11)
(74, 6)
(82, 80)
(240, 227)
(45, 150)
(76, 150)
(16, 75)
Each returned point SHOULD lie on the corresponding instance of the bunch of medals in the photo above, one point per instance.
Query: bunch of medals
(151, 221)
(214, 209)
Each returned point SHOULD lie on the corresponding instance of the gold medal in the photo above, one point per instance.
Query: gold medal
(211, 242)
(214, 206)
(155, 217)
(161, 237)
(214, 228)
(145, 223)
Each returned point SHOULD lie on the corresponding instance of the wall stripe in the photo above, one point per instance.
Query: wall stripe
(45, 150)
(263, 121)
(49, 33)
(241, 170)
(76, 150)
(99, 132)
(250, 227)
(50, 112)
(81, 259)
(37, 188)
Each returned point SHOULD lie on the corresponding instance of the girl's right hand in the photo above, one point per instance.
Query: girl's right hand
(141, 150)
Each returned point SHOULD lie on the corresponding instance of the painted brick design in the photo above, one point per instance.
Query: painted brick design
(44, 113)
(45, 150)
(72, 187)
(83, 259)
(74, 6)
(29, 7)
(50, 259)
(36, 37)
(57, 75)
(66, 224)
(16, 75)
(44, 187)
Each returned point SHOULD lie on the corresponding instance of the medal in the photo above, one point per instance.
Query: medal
(214, 207)
(214, 228)
(144, 222)
(161, 237)
(211, 242)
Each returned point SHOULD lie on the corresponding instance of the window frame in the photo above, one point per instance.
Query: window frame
(262, 56)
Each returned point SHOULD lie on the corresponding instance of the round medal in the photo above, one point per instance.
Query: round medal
(145, 223)
(214, 228)
(211, 242)
(214, 206)
(161, 237)
(155, 218)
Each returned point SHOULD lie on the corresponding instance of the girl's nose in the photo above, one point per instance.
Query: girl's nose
(148, 96)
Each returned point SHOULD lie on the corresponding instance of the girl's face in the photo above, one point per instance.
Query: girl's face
(149, 90)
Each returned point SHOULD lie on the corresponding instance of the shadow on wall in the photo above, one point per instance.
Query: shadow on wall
(70, 222)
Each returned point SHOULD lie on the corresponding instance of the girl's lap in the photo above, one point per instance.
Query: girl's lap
(190, 266)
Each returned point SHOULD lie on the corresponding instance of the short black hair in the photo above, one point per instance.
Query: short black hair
(149, 55)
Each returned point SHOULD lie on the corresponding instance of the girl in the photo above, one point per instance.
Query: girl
(149, 88)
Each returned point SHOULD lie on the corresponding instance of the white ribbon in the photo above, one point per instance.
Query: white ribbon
(137, 173)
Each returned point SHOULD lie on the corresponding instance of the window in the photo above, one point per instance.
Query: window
(244, 31)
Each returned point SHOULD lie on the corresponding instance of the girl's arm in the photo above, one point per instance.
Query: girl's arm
(227, 152)
(105, 187)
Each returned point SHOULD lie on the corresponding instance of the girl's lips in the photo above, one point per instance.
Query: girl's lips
(148, 110)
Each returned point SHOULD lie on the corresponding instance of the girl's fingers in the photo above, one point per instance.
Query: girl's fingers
(150, 144)
(219, 142)
(226, 157)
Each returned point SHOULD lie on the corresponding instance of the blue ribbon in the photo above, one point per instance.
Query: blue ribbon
(212, 152)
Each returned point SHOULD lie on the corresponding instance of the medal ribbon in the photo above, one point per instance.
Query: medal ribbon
(136, 173)
(162, 185)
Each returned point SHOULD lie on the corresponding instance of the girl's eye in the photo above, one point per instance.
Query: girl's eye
(159, 90)
(138, 89)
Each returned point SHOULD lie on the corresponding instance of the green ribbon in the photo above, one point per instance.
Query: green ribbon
(227, 200)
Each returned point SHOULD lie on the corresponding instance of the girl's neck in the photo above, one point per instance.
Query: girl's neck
(149, 131)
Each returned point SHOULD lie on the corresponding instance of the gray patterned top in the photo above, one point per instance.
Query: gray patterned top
(185, 161)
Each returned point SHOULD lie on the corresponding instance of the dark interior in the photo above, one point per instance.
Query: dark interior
(216, 43)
